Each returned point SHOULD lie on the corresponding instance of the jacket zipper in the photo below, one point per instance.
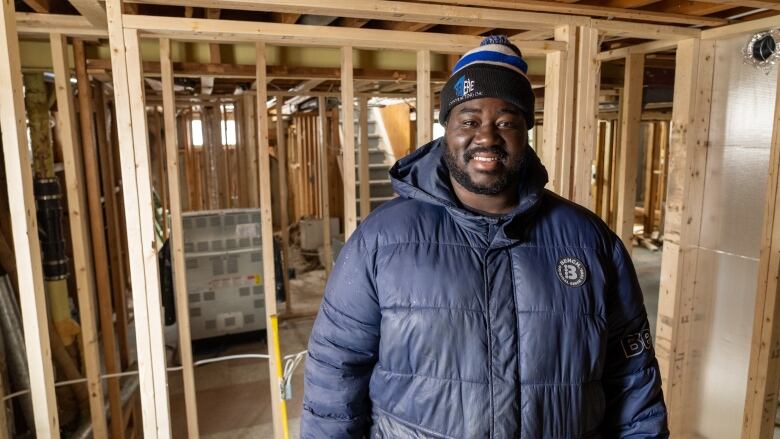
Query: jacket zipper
(489, 335)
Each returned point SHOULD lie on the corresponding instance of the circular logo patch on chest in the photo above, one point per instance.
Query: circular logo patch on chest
(571, 271)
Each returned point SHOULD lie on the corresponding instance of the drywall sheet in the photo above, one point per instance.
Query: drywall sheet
(743, 102)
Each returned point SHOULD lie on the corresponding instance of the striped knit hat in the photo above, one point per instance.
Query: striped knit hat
(495, 69)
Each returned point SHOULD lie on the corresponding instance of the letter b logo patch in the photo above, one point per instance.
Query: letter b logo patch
(571, 271)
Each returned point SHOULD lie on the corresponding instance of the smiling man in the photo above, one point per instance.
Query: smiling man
(478, 304)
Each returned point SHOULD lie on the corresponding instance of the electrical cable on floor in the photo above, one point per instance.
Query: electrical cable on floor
(291, 362)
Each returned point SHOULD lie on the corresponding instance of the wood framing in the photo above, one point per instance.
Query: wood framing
(284, 202)
(629, 147)
(25, 229)
(518, 14)
(650, 47)
(396, 11)
(267, 233)
(79, 232)
(424, 104)
(198, 29)
(588, 70)
(97, 227)
(71, 25)
(687, 162)
(348, 145)
(556, 149)
(133, 148)
(741, 28)
(324, 146)
(177, 241)
(764, 370)
(365, 183)
(93, 11)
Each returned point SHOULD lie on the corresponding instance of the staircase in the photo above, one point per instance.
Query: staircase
(379, 162)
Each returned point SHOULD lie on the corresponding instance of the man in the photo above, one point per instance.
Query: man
(478, 304)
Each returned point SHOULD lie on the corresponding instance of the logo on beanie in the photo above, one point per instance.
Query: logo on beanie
(464, 86)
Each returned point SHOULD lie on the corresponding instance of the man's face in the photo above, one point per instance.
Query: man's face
(485, 141)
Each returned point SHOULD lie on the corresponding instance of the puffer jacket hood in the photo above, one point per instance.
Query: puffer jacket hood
(422, 175)
(438, 322)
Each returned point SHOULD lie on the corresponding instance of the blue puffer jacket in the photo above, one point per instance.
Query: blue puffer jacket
(440, 323)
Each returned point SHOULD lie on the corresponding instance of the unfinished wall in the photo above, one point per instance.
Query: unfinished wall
(743, 100)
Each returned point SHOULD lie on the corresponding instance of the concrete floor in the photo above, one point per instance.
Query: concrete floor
(232, 396)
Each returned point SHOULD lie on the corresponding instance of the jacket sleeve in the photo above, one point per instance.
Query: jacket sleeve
(632, 383)
(343, 349)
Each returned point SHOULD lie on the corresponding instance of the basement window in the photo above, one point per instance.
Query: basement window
(197, 133)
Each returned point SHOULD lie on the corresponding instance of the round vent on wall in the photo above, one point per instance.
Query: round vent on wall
(763, 50)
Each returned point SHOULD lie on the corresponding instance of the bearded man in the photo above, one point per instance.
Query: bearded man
(479, 304)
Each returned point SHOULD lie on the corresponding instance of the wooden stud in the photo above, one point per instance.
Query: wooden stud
(687, 161)
(79, 232)
(266, 224)
(114, 229)
(177, 241)
(97, 227)
(324, 185)
(284, 213)
(25, 229)
(556, 146)
(652, 159)
(629, 147)
(587, 115)
(291, 34)
(131, 127)
(365, 178)
(764, 369)
(153, 299)
(348, 147)
(251, 162)
(424, 106)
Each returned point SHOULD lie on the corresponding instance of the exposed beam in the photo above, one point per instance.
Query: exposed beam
(642, 30)
(323, 147)
(351, 22)
(192, 29)
(196, 70)
(587, 10)
(688, 7)
(25, 229)
(761, 24)
(623, 52)
(40, 6)
(404, 25)
(284, 17)
(399, 11)
(70, 25)
(758, 4)
(93, 11)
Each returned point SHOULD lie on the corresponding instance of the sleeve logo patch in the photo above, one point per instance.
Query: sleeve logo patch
(635, 344)
(571, 271)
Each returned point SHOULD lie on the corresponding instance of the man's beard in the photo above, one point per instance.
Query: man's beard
(511, 175)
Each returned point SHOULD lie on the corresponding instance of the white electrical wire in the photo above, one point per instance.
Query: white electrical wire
(291, 362)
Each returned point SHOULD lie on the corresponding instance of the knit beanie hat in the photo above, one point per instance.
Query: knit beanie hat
(495, 69)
